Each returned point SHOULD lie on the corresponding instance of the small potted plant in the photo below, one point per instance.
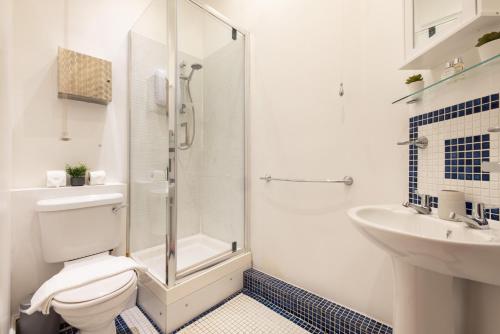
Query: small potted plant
(415, 83)
(77, 174)
(489, 45)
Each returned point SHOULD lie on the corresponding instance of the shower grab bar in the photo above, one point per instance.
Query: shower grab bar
(347, 180)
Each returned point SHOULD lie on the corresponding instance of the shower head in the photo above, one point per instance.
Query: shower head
(194, 67)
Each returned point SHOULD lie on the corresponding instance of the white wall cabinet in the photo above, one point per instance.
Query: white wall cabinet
(436, 31)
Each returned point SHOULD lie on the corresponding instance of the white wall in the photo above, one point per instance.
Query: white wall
(153, 22)
(5, 164)
(95, 27)
(300, 127)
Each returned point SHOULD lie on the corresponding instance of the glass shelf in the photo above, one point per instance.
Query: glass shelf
(412, 98)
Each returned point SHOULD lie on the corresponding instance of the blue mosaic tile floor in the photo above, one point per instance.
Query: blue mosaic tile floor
(132, 321)
(317, 312)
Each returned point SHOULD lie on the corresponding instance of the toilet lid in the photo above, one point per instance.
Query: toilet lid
(96, 289)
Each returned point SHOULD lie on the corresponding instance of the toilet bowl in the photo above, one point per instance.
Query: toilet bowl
(92, 308)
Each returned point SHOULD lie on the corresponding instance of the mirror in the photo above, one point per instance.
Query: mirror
(432, 18)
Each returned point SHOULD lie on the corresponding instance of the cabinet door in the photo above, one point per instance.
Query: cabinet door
(428, 20)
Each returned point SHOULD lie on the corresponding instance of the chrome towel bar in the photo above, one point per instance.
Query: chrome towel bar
(347, 180)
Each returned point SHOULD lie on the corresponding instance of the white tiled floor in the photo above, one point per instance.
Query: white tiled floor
(243, 314)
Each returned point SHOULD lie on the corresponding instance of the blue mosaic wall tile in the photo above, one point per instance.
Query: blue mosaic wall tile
(463, 158)
(318, 312)
(463, 165)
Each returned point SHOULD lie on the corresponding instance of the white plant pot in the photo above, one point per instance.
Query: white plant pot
(489, 50)
(415, 86)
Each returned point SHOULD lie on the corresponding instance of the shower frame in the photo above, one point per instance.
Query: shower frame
(172, 275)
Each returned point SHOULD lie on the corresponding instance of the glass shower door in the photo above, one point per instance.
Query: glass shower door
(149, 139)
(208, 209)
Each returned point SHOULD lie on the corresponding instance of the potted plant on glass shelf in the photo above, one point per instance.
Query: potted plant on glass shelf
(415, 83)
(77, 174)
(488, 45)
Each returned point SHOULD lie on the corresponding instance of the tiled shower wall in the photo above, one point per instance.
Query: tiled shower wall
(148, 143)
(455, 119)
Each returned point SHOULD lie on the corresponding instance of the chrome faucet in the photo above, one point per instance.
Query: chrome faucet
(420, 142)
(478, 220)
(424, 208)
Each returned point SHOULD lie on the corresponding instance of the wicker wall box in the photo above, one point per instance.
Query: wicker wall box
(83, 78)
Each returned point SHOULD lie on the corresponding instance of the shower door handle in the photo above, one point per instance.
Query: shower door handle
(186, 134)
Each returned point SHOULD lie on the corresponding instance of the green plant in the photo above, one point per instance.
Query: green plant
(489, 37)
(77, 170)
(414, 78)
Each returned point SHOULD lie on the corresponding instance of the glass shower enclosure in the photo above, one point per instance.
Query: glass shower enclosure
(188, 94)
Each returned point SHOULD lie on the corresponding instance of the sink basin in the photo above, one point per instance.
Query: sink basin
(449, 248)
(430, 256)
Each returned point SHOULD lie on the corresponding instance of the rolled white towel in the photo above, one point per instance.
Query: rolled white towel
(104, 267)
(97, 177)
(56, 178)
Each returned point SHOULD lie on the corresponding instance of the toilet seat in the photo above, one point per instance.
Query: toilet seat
(96, 290)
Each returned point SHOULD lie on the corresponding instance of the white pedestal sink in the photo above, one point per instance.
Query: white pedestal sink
(430, 258)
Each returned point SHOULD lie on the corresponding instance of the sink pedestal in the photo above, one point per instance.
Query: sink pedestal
(426, 301)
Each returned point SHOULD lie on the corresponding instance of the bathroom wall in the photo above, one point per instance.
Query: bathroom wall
(5, 164)
(300, 127)
(84, 26)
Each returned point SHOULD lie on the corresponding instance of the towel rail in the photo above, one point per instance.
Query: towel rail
(347, 180)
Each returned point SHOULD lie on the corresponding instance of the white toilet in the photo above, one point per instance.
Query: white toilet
(80, 231)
